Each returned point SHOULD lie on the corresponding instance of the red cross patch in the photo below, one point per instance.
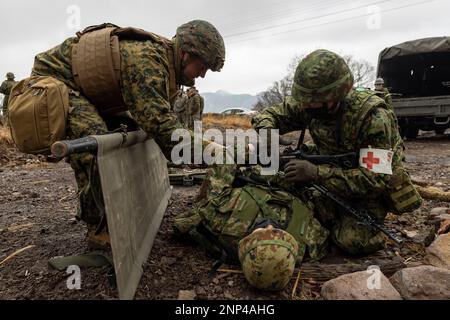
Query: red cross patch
(376, 160)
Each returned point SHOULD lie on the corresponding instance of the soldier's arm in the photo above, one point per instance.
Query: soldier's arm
(378, 132)
(3, 88)
(145, 79)
(286, 117)
(195, 104)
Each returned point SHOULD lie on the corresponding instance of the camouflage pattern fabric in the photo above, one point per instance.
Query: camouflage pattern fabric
(196, 104)
(5, 89)
(320, 77)
(85, 120)
(360, 186)
(145, 83)
(202, 39)
(386, 96)
(228, 212)
(268, 258)
(180, 106)
(189, 108)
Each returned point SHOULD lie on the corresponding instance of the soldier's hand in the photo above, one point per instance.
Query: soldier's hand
(300, 171)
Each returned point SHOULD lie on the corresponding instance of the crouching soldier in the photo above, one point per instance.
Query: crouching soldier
(125, 76)
(343, 120)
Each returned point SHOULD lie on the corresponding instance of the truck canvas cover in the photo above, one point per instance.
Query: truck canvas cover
(426, 45)
(417, 68)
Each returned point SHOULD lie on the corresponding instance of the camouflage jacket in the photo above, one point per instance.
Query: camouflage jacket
(195, 109)
(144, 83)
(377, 130)
(386, 96)
(5, 89)
(188, 109)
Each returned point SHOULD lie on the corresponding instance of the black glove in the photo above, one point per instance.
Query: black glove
(300, 171)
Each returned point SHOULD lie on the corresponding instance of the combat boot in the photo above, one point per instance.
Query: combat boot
(98, 240)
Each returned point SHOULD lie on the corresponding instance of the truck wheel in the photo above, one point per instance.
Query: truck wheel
(412, 132)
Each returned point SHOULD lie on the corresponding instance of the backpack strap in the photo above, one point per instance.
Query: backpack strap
(364, 112)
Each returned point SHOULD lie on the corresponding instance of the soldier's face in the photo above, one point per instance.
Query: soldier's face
(378, 87)
(193, 67)
(317, 105)
(321, 110)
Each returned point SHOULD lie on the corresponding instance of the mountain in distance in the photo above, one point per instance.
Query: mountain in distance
(215, 102)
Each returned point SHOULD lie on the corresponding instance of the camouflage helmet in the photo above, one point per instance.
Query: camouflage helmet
(202, 39)
(320, 77)
(10, 76)
(268, 258)
(379, 81)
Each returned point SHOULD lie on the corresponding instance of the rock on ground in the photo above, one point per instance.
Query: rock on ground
(422, 283)
(186, 295)
(438, 253)
(438, 211)
(363, 285)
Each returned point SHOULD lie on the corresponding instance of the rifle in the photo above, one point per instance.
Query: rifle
(346, 161)
(362, 215)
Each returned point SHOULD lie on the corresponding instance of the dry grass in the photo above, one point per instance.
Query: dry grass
(213, 120)
(5, 137)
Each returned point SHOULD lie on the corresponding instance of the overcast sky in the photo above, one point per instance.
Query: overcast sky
(261, 36)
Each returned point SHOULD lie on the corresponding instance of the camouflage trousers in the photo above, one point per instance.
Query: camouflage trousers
(84, 119)
(345, 231)
(5, 116)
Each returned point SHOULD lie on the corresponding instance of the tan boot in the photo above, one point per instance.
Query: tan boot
(98, 241)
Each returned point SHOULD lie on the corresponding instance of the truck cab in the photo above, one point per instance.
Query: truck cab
(417, 73)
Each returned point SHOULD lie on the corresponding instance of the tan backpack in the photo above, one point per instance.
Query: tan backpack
(38, 110)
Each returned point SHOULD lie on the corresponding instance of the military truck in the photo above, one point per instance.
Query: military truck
(417, 73)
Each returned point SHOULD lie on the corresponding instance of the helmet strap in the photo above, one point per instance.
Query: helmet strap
(177, 58)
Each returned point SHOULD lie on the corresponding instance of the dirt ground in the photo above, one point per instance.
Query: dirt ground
(38, 205)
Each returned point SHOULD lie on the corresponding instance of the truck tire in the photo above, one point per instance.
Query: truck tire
(412, 132)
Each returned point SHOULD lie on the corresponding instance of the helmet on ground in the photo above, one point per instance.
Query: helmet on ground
(322, 76)
(379, 81)
(10, 76)
(268, 258)
(201, 38)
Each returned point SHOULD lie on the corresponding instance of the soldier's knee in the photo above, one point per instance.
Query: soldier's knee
(357, 239)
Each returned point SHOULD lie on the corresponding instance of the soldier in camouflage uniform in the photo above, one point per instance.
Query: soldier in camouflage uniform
(340, 120)
(383, 92)
(195, 106)
(260, 225)
(5, 89)
(144, 80)
(180, 107)
(189, 107)
(236, 203)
